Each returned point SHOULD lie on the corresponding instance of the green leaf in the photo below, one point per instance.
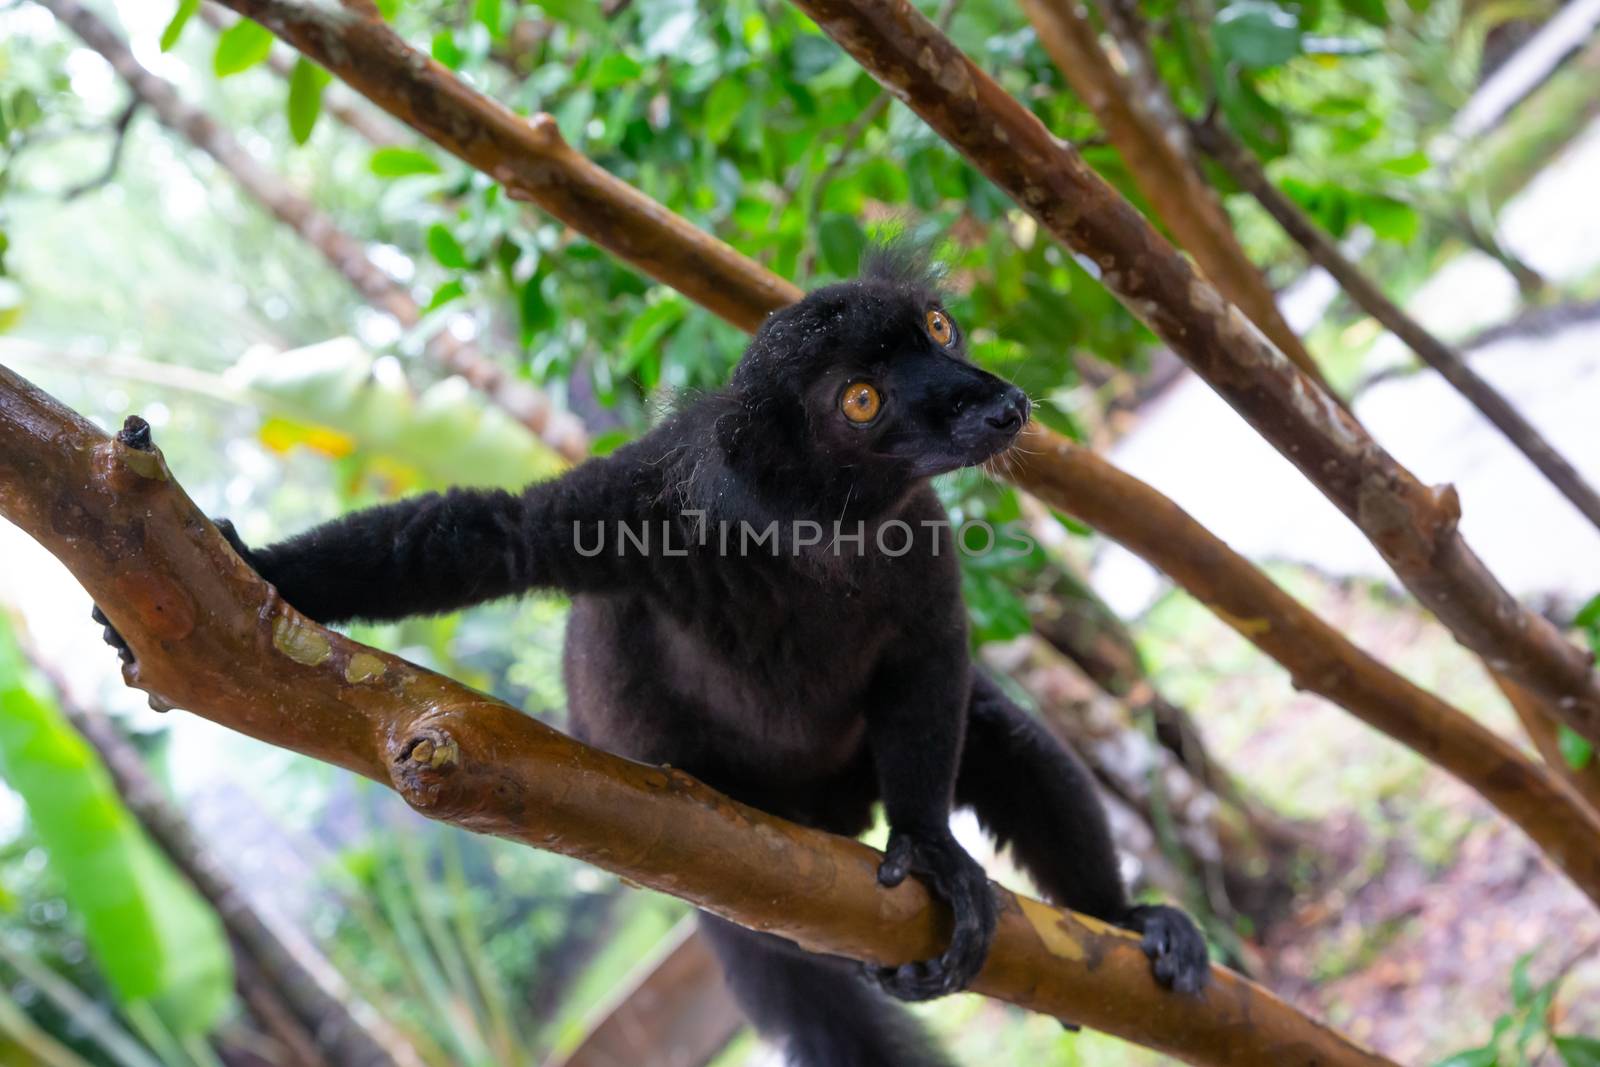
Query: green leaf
(1407, 166)
(445, 248)
(585, 14)
(240, 47)
(609, 442)
(721, 109)
(451, 290)
(155, 940)
(399, 162)
(1390, 219)
(1256, 34)
(841, 241)
(614, 69)
(534, 310)
(1579, 1051)
(180, 19)
(446, 51)
(1373, 11)
(306, 83)
(489, 14)
(1521, 986)
(1576, 750)
(1473, 1057)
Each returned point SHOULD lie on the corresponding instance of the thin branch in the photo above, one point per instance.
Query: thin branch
(1245, 169)
(119, 130)
(557, 428)
(208, 634)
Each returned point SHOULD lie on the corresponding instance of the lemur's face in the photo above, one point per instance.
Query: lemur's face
(891, 386)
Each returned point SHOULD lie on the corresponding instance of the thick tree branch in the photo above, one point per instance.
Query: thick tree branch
(210, 635)
(1180, 196)
(559, 429)
(1245, 169)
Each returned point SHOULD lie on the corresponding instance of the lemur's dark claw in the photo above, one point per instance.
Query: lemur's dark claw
(1177, 951)
(111, 636)
(954, 877)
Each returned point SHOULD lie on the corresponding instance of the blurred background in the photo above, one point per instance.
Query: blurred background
(288, 286)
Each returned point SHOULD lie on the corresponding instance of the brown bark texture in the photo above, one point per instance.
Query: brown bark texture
(1544, 731)
(559, 429)
(1177, 193)
(1414, 526)
(209, 635)
(674, 1011)
(534, 163)
(1242, 166)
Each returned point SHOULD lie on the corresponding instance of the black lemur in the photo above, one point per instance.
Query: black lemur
(807, 679)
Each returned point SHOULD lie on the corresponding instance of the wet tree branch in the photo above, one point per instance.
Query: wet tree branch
(208, 634)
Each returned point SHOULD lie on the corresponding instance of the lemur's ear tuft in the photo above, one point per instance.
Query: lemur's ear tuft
(902, 260)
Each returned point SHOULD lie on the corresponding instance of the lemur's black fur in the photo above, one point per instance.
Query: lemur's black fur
(808, 682)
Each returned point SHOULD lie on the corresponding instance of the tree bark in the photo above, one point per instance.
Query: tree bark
(208, 634)
(559, 429)
(1245, 169)
(1544, 731)
(1179, 195)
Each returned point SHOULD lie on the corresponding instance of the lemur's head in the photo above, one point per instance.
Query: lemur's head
(871, 376)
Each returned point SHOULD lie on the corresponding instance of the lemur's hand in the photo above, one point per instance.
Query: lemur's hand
(114, 639)
(1175, 946)
(954, 877)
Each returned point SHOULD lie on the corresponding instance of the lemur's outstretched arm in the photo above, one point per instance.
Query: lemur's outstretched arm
(914, 726)
(444, 551)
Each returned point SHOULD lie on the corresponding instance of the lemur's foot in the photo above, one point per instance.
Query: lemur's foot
(957, 879)
(1174, 944)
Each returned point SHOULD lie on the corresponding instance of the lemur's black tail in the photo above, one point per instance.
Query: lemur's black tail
(818, 1008)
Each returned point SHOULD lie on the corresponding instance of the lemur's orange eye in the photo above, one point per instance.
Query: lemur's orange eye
(940, 328)
(860, 403)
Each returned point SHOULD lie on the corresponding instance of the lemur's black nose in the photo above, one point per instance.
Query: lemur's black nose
(1011, 411)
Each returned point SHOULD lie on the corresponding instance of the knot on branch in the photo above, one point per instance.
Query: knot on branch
(1408, 522)
(421, 765)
